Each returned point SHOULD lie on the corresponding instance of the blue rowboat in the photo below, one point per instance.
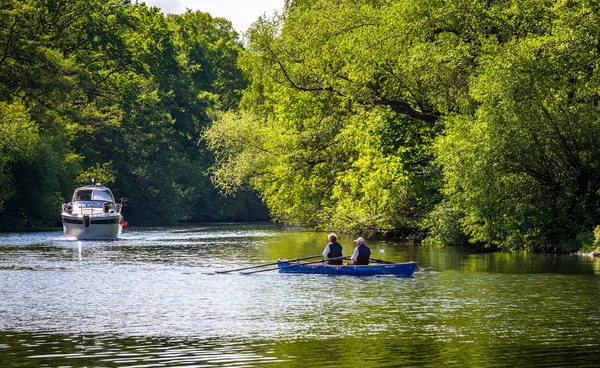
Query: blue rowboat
(395, 269)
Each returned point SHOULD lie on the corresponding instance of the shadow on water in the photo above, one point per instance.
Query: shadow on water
(152, 298)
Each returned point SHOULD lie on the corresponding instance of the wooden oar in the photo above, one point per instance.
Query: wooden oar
(295, 265)
(381, 261)
(265, 265)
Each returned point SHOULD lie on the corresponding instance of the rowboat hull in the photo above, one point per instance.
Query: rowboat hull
(395, 269)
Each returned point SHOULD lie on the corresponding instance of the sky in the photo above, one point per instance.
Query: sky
(241, 13)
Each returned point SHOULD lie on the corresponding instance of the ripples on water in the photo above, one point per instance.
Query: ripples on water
(152, 298)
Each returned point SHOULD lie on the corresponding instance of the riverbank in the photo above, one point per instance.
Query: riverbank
(590, 254)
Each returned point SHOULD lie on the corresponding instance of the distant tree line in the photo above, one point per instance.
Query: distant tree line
(118, 92)
(469, 121)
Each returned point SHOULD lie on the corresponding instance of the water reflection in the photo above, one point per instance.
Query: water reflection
(103, 350)
(152, 298)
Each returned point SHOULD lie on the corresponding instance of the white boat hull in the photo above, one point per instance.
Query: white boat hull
(102, 226)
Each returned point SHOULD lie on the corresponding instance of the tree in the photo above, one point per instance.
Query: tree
(37, 89)
(338, 87)
(117, 92)
(524, 168)
(347, 98)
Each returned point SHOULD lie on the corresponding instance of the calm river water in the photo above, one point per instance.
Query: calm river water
(152, 299)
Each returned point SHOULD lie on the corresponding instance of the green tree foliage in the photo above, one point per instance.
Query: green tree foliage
(469, 119)
(117, 92)
(345, 101)
(524, 169)
(36, 90)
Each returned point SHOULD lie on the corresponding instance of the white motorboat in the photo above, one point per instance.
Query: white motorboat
(92, 214)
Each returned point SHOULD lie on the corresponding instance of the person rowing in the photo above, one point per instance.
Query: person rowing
(362, 253)
(333, 250)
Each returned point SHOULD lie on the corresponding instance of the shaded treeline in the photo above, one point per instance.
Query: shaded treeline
(119, 92)
(467, 120)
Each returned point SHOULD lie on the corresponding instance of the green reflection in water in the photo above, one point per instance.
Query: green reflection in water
(54, 350)
(38, 350)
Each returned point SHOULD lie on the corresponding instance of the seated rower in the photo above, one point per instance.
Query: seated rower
(333, 250)
(362, 253)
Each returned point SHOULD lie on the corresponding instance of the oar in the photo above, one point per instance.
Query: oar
(294, 265)
(380, 260)
(265, 265)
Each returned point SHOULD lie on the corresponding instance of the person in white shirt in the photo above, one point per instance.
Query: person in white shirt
(362, 253)
(333, 250)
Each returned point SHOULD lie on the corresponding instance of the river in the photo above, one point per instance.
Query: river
(152, 299)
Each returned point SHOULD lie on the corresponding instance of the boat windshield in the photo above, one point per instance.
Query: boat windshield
(101, 195)
(93, 195)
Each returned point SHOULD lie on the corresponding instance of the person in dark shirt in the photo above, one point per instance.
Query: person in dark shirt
(362, 253)
(333, 250)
